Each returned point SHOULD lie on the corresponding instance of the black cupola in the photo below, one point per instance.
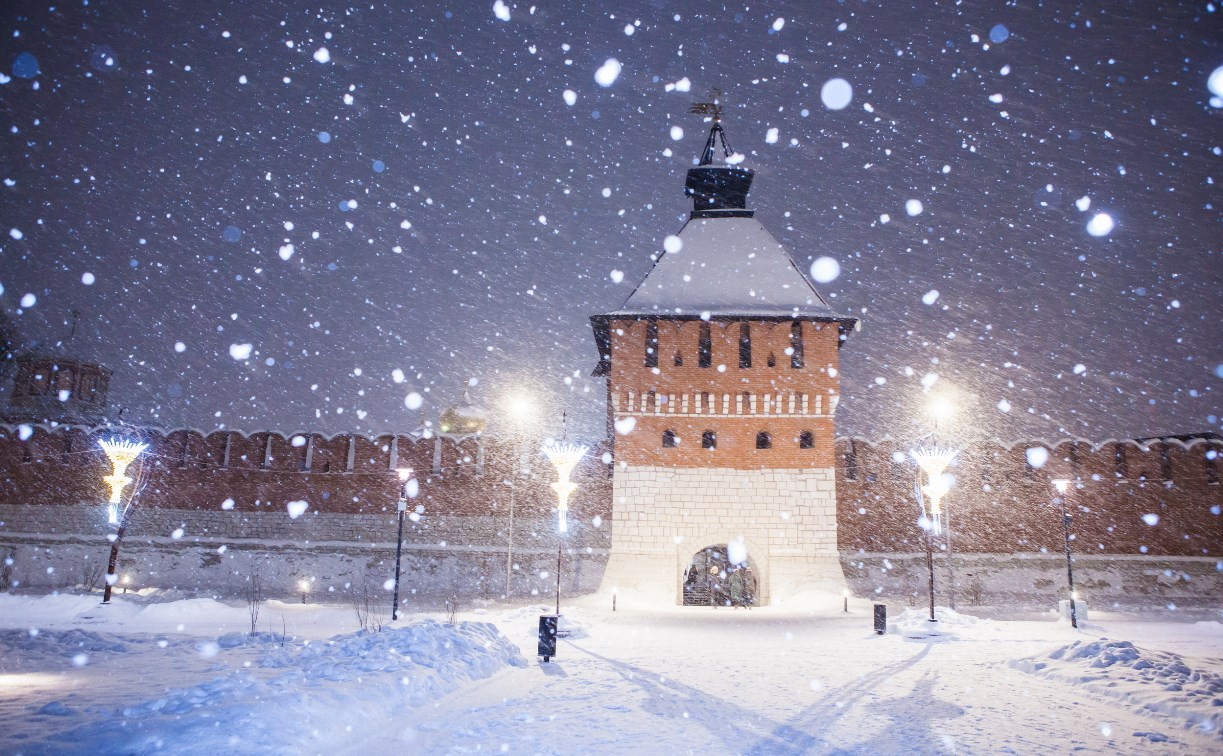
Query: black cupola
(717, 190)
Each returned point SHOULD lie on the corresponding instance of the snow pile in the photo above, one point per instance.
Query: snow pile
(1155, 682)
(915, 623)
(281, 695)
(65, 643)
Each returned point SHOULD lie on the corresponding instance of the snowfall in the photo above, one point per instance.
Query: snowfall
(156, 672)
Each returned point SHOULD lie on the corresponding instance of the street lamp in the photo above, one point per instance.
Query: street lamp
(1062, 485)
(521, 409)
(405, 480)
(564, 457)
(933, 461)
(121, 454)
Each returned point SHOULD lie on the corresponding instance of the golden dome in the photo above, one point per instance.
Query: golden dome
(464, 419)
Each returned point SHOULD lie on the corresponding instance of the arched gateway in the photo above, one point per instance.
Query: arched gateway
(716, 576)
(722, 373)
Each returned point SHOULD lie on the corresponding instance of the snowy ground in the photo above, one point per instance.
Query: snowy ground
(184, 676)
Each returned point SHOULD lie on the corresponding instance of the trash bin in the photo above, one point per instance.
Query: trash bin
(547, 635)
(881, 619)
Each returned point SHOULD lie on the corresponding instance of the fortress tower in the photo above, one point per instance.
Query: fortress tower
(722, 385)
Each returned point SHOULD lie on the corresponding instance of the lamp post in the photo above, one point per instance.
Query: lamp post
(941, 410)
(405, 478)
(121, 454)
(564, 457)
(520, 409)
(933, 461)
(1062, 485)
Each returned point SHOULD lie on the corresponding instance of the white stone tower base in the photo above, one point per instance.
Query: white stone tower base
(663, 516)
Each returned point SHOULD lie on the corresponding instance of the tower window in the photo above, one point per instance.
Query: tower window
(709, 440)
(764, 440)
(651, 343)
(679, 360)
(851, 461)
(772, 361)
(669, 441)
(705, 347)
(745, 345)
(806, 440)
(796, 344)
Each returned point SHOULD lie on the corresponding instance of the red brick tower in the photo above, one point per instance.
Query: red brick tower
(722, 385)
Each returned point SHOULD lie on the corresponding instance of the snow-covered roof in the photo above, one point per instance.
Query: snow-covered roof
(728, 265)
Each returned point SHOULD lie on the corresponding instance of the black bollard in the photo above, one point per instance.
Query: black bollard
(881, 619)
(547, 636)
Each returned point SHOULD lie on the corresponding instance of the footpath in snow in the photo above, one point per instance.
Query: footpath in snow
(186, 676)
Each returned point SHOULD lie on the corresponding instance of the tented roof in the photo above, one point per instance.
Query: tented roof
(728, 266)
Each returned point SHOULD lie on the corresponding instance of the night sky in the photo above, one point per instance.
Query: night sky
(452, 216)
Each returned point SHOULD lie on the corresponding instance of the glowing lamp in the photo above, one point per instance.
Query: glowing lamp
(1061, 484)
(941, 409)
(121, 454)
(934, 461)
(564, 457)
(520, 407)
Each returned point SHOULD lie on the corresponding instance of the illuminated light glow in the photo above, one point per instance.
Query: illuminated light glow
(121, 454)
(564, 457)
(941, 409)
(1061, 484)
(520, 406)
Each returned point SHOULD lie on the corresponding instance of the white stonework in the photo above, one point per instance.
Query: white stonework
(665, 515)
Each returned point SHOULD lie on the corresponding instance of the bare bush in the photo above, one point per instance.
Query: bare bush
(367, 603)
(6, 569)
(255, 596)
(91, 573)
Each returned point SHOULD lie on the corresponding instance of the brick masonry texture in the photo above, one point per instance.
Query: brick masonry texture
(735, 418)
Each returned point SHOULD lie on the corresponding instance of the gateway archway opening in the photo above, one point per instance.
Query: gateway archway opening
(712, 580)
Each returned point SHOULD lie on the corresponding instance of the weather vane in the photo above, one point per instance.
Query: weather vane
(712, 109)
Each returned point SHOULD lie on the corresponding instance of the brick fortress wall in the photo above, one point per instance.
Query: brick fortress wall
(1146, 522)
(1006, 530)
(213, 509)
